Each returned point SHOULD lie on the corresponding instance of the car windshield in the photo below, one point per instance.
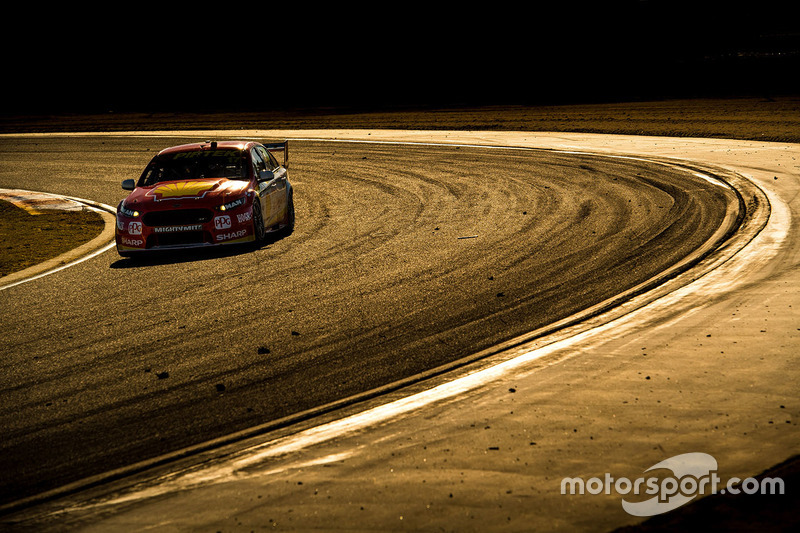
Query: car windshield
(222, 163)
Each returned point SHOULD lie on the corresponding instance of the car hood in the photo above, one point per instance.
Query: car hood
(205, 192)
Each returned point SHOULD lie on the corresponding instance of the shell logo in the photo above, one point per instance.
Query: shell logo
(181, 189)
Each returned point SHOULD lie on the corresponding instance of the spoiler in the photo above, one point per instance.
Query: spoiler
(280, 147)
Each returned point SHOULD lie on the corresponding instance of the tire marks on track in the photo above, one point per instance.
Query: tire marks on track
(374, 279)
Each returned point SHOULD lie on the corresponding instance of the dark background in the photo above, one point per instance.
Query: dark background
(255, 57)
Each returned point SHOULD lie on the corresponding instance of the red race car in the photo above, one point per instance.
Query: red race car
(206, 194)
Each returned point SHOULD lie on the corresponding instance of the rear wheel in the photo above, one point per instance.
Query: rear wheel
(289, 216)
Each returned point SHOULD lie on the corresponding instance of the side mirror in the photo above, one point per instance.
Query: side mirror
(266, 175)
(128, 185)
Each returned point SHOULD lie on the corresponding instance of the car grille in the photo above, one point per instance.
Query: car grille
(178, 239)
(177, 217)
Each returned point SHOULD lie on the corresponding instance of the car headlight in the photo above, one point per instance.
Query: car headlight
(232, 205)
(131, 213)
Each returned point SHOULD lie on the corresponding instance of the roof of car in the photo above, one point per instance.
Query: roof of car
(207, 145)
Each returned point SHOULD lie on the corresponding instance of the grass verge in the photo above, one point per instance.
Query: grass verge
(27, 240)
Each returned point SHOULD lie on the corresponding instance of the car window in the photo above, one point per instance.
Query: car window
(195, 165)
(268, 158)
(258, 161)
(274, 161)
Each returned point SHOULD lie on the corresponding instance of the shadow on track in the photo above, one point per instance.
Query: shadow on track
(191, 255)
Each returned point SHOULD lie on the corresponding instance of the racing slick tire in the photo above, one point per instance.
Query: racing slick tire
(259, 231)
(289, 222)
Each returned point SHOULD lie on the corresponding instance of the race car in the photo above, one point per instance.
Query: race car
(206, 194)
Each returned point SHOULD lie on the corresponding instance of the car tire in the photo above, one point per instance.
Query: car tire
(258, 222)
(289, 222)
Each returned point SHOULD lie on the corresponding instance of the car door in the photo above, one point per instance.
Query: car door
(267, 189)
(275, 190)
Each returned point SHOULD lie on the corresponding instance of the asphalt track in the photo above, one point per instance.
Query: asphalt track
(412, 256)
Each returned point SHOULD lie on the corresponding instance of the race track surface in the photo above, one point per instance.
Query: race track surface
(405, 258)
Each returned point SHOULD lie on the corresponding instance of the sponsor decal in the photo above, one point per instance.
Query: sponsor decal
(132, 242)
(232, 155)
(135, 228)
(231, 235)
(176, 229)
(181, 190)
(223, 222)
(245, 217)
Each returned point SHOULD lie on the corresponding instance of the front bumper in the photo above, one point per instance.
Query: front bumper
(182, 229)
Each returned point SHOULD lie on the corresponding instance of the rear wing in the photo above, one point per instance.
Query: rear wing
(280, 147)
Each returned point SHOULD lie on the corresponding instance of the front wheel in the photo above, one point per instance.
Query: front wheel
(258, 222)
